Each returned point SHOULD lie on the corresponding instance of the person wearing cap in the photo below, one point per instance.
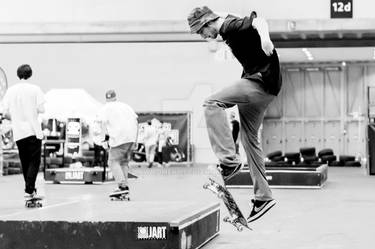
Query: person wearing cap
(120, 124)
(249, 41)
(22, 103)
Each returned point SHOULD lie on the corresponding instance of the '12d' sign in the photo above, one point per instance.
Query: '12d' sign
(341, 8)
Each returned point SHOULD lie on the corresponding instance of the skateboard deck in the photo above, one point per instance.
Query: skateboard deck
(34, 202)
(236, 217)
(119, 197)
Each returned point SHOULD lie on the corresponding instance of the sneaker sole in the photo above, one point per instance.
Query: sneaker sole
(234, 173)
(118, 193)
(262, 212)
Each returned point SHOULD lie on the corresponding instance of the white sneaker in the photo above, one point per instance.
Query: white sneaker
(119, 191)
(28, 196)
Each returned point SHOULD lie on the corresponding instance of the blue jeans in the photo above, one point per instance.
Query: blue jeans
(252, 102)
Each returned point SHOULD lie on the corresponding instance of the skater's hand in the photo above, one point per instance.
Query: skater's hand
(267, 47)
(261, 26)
(105, 145)
(135, 146)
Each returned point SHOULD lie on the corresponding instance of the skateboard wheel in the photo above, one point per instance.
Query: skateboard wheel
(226, 219)
(30, 205)
(240, 228)
(205, 186)
(220, 195)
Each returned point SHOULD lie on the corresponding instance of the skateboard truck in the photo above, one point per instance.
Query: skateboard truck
(235, 223)
(236, 217)
(34, 203)
(120, 197)
(213, 190)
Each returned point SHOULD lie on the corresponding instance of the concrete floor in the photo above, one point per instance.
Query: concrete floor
(340, 215)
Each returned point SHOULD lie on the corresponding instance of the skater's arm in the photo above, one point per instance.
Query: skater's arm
(233, 24)
(261, 26)
(40, 100)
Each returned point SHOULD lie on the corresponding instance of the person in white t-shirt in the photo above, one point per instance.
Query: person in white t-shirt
(150, 139)
(119, 121)
(22, 103)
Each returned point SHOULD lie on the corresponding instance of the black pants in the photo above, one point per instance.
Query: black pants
(29, 150)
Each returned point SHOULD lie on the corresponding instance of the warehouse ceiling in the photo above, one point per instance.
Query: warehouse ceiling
(336, 54)
(297, 40)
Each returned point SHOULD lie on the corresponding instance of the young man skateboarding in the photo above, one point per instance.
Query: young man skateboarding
(260, 83)
(22, 103)
(119, 121)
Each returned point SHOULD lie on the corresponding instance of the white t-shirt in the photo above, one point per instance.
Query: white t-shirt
(24, 101)
(151, 135)
(120, 122)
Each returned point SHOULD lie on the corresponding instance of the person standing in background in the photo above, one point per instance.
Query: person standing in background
(150, 140)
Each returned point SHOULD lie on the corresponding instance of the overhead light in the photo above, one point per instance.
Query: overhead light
(308, 54)
(343, 64)
(312, 69)
(373, 56)
(293, 69)
(332, 69)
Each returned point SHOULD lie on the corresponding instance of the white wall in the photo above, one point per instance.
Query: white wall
(150, 77)
(118, 10)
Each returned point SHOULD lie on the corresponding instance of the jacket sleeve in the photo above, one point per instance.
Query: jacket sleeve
(233, 24)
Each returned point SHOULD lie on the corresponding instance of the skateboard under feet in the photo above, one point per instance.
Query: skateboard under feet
(34, 202)
(120, 197)
(235, 217)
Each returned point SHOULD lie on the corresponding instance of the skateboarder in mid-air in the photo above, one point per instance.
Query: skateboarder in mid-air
(260, 83)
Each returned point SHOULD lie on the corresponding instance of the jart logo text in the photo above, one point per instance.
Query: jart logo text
(152, 232)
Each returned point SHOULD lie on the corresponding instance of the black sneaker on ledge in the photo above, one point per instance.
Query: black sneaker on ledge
(229, 172)
(260, 208)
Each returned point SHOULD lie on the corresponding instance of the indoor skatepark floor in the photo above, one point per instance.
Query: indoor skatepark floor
(340, 215)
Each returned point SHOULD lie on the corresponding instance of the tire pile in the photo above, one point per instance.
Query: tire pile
(307, 156)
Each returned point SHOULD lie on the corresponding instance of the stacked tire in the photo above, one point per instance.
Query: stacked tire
(275, 158)
(292, 158)
(349, 161)
(327, 156)
(309, 155)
